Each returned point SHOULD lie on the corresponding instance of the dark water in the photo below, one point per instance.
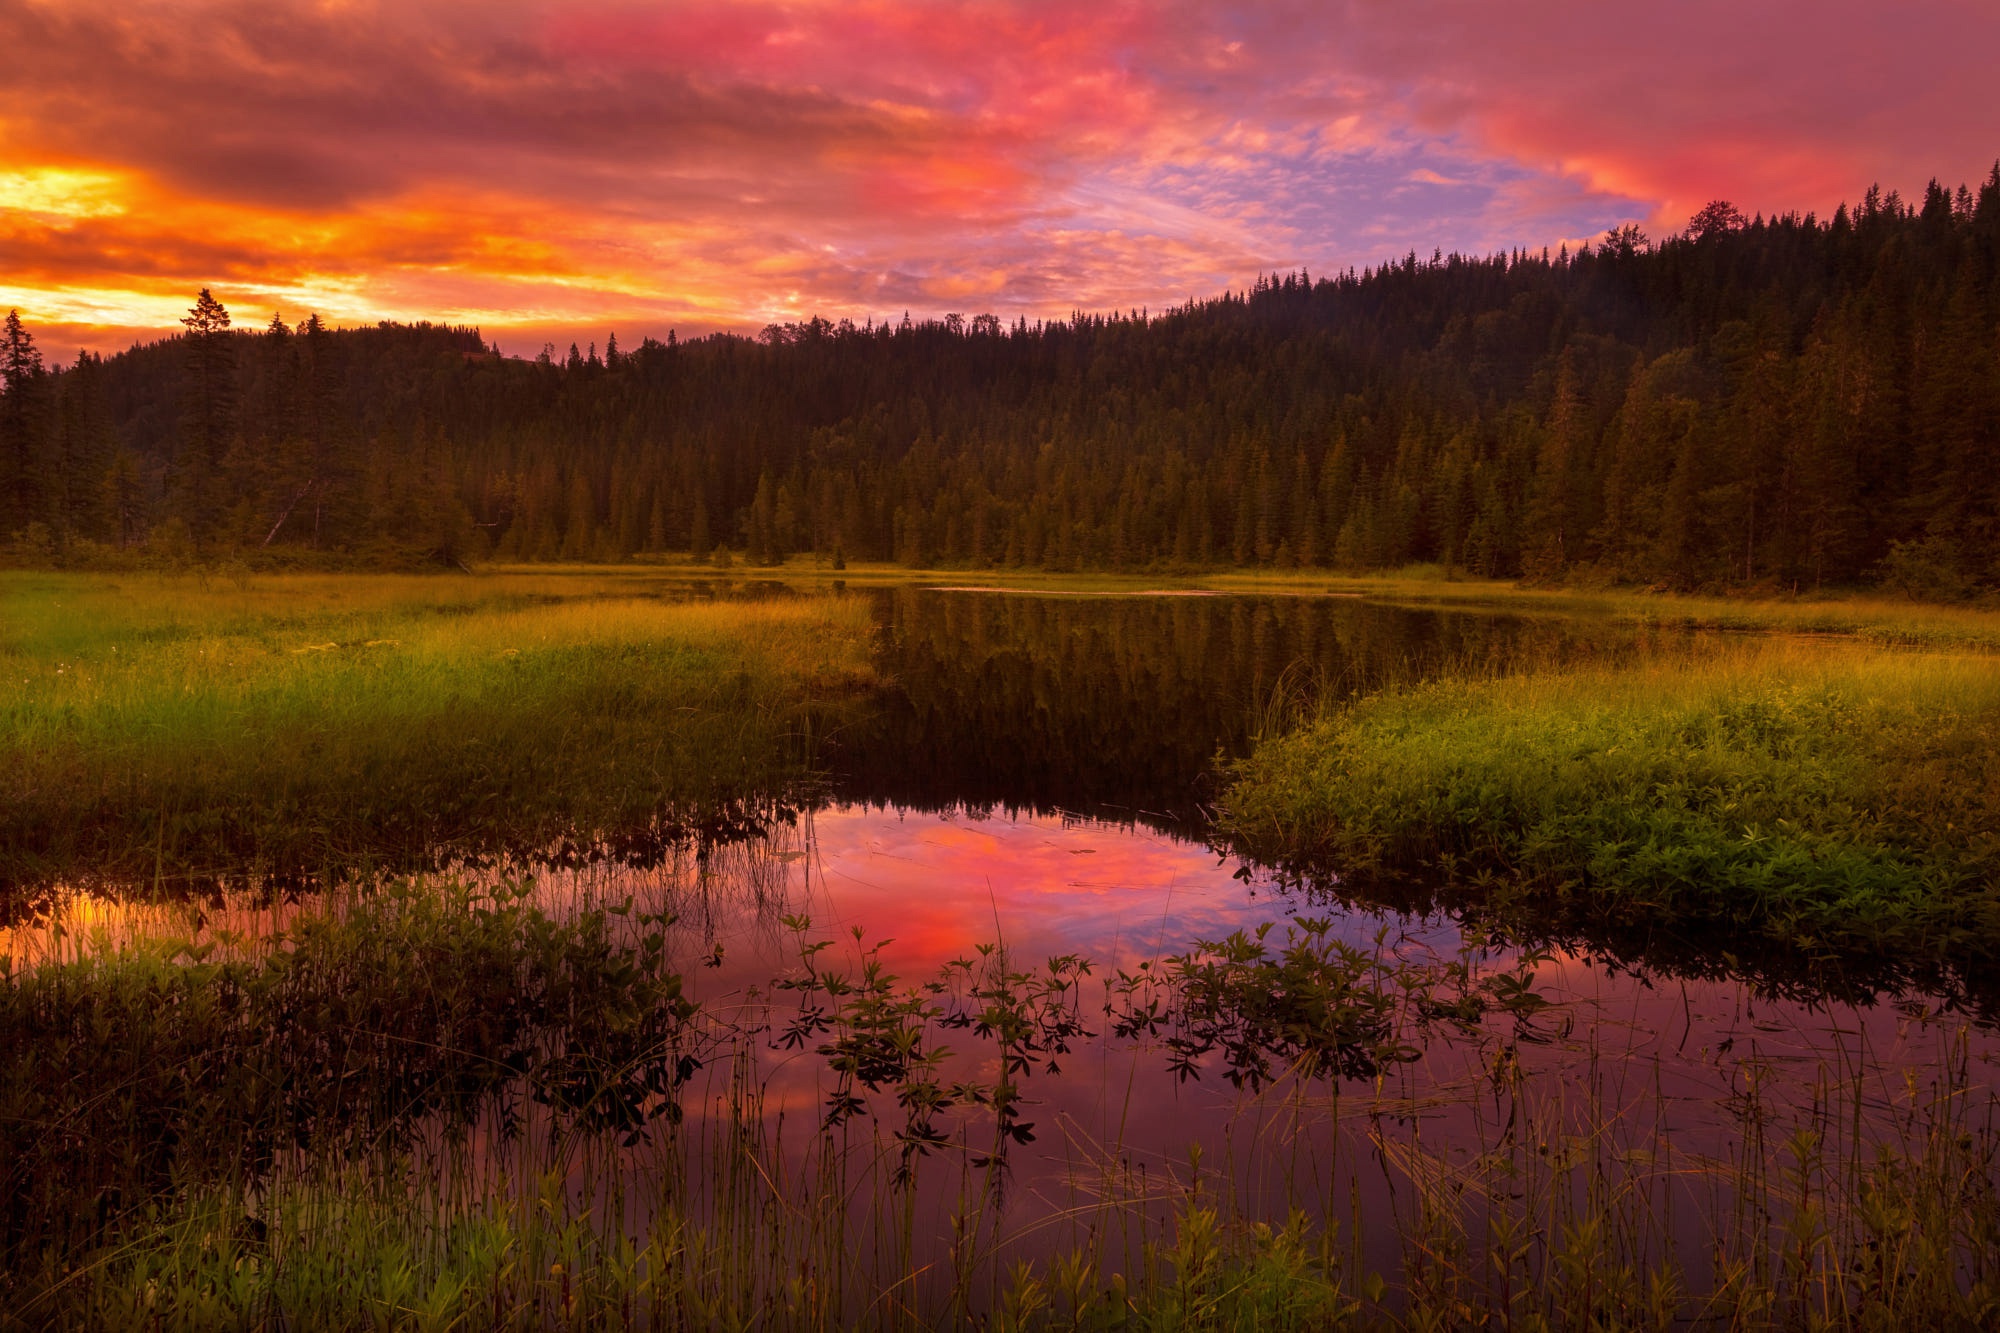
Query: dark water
(1119, 707)
(1127, 710)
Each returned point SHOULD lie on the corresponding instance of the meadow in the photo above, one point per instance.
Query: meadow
(167, 730)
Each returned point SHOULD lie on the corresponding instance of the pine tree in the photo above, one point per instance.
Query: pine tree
(1304, 526)
(83, 446)
(698, 538)
(656, 525)
(23, 472)
(580, 537)
(208, 421)
(124, 498)
(1551, 522)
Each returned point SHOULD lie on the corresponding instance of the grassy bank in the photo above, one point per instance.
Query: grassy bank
(168, 728)
(1870, 618)
(1816, 794)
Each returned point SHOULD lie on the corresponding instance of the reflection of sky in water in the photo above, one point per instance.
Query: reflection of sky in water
(1643, 1056)
(1042, 886)
(938, 885)
(1652, 1055)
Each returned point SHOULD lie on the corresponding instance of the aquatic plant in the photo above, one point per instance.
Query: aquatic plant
(1318, 1008)
(172, 1063)
(436, 1105)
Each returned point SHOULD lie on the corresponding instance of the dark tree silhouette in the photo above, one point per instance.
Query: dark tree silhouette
(208, 411)
(1777, 402)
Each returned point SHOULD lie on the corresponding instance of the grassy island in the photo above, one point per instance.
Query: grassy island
(1844, 794)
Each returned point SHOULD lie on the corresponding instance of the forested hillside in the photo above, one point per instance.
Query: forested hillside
(1772, 402)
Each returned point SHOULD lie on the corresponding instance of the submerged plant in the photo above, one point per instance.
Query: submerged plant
(1318, 1008)
(884, 1037)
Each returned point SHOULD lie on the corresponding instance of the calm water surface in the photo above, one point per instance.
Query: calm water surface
(1038, 775)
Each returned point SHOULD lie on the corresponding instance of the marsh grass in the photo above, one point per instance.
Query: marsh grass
(453, 1103)
(134, 1066)
(1826, 797)
(158, 730)
(438, 1106)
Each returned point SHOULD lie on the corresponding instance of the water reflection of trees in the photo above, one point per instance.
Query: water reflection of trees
(1119, 707)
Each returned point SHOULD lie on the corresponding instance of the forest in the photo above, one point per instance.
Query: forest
(1774, 404)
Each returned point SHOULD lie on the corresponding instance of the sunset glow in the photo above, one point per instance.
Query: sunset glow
(549, 172)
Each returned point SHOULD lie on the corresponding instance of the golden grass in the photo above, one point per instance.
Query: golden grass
(166, 726)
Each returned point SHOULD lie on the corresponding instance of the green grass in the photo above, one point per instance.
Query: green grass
(164, 1061)
(1868, 617)
(1815, 794)
(169, 728)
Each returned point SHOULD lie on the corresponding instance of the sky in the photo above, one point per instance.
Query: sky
(550, 171)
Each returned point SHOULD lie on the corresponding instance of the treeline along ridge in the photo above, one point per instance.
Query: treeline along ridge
(1783, 402)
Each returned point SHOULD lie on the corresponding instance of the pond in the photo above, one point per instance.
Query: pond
(1039, 775)
(1014, 835)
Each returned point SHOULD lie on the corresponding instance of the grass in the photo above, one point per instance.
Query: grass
(160, 728)
(134, 1065)
(1822, 796)
(453, 1164)
(1865, 616)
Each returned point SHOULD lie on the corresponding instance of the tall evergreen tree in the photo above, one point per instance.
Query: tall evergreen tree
(208, 420)
(24, 477)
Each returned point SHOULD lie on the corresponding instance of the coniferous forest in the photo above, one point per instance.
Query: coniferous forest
(1778, 403)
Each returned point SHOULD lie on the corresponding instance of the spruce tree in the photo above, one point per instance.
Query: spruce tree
(208, 421)
(24, 476)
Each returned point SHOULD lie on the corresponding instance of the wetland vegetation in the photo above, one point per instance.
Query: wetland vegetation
(1833, 798)
(546, 967)
(436, 1105)
(173, 729)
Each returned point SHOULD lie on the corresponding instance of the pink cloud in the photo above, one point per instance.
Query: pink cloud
(527, 164)
(1780, 104)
